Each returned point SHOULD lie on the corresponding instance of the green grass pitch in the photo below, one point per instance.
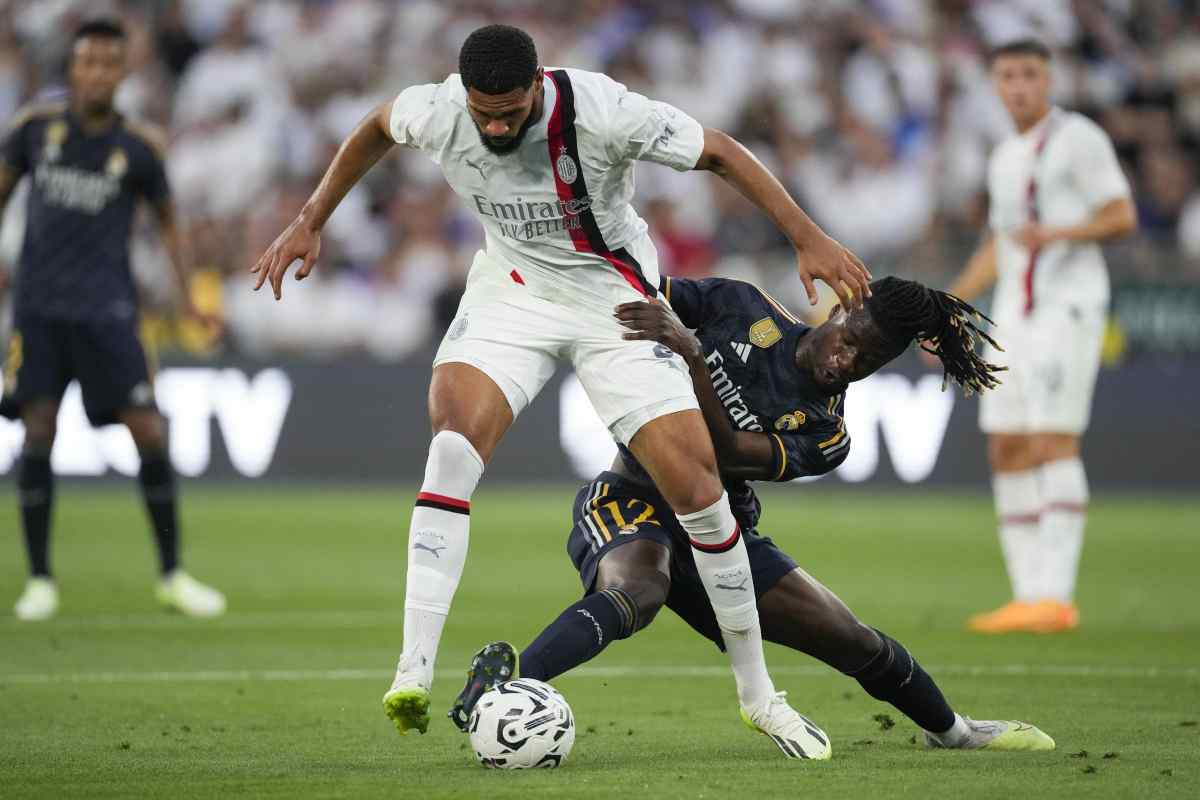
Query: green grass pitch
(281, 698)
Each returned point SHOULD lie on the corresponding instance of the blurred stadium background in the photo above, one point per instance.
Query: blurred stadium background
(879, 116)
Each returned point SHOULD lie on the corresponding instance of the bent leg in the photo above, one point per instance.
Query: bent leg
(677, 452)
(800, 613)
(631, 586)
(469, 415)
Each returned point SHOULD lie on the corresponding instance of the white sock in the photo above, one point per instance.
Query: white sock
(437, 549)
(1064, 514)
(1018, 508)
(724, 568)
(956, 736)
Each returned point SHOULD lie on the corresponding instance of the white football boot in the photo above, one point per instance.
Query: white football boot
(991, 734)
(407, 702)
(39, 601)
(794, 734)
(181, 592)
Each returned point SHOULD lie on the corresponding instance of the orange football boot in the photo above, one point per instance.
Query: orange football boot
(1014, 616)
(1053, 616)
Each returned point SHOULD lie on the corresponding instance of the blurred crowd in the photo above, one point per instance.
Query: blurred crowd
(878, 114)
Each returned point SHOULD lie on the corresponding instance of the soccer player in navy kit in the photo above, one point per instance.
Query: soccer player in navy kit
(76, 303)
(772, 392)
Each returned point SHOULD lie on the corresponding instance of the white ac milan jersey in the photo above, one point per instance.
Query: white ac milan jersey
(1059, 173)
(557, 209)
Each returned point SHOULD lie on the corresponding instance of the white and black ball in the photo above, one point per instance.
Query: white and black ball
(522, 724)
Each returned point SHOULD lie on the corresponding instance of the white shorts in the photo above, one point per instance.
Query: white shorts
(1053, 357)
(515, 338)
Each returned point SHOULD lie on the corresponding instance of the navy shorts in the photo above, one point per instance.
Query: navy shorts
(612, 511)
(105, 357)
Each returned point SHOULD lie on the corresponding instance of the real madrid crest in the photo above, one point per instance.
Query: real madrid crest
(790, 422)
(565, 167)
(117, 164)
(765, 333)
(56, 134)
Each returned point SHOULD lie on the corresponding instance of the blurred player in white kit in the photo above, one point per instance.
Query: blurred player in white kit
(1056, 192)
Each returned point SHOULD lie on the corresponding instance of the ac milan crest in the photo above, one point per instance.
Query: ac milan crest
(565, 167)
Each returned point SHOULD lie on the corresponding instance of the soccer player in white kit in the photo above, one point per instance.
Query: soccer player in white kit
(545, 159)
(1056, 192)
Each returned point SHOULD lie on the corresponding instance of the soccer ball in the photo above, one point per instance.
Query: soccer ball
(522, 724)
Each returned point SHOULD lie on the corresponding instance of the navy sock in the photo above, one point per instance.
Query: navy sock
(35, 490)
(157, 480)
(579, 634)
(895, 677)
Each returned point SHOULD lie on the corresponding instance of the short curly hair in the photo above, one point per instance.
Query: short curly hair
(496, 59)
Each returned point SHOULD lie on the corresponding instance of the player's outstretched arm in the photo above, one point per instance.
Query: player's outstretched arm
(817, 255)
(301, 241)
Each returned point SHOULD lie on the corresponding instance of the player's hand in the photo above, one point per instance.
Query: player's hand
(299, 242)
(827, 259)
(1034, 236)
(654, 321)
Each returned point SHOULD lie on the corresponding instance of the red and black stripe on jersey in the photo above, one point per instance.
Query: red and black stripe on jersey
(586, 236)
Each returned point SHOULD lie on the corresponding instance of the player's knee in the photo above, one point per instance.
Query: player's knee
(702, 489)
(454, 466)
(1010, 453)
(1048, 447)
(41, 426)
(649, 595)
(463, 400)
(447, 425)
(148, 429)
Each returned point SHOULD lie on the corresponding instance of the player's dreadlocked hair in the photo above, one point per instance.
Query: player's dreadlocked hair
(945, 325)
(496, 59)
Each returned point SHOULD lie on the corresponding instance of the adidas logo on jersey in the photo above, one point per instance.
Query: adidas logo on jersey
(742, 349)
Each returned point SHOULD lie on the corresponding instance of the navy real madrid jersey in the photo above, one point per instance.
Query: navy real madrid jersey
(749, 341)
(83, 194)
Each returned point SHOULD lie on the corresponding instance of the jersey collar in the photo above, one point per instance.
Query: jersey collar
(77, 123)
(1035, 133)
(540, 131)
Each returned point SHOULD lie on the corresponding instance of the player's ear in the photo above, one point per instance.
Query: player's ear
(834, 311)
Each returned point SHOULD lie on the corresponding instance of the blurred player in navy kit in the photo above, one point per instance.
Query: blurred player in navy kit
(76, 313)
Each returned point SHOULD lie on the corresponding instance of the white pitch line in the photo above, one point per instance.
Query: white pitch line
(250, 619)
(657, 671)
